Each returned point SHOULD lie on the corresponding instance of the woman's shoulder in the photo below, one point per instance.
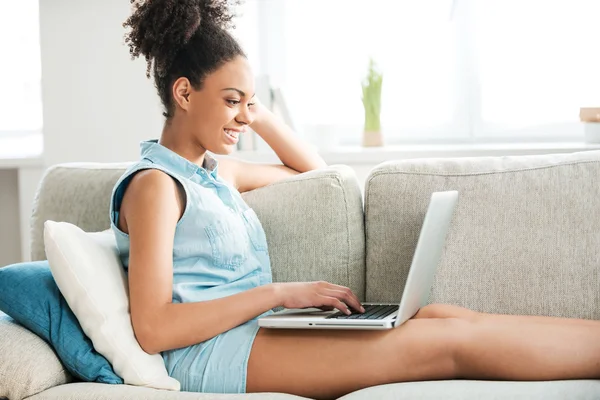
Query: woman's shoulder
(146, 171)
(145, 182)
(151, 181)
(150, 192)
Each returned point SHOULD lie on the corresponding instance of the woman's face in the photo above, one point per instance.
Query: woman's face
(222, 109)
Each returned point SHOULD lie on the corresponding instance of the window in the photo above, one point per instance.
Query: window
(454, 70)
(20, 70)
(538, 62)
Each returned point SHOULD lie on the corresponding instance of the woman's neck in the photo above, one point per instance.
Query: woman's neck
(174, 138)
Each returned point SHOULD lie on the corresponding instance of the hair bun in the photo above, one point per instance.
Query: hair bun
(160, 28)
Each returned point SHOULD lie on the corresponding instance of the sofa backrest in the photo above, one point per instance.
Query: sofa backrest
(314, 221)
(524, 239)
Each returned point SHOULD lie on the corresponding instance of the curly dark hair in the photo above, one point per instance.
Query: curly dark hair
(182, 38)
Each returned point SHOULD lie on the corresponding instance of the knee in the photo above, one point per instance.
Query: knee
(430, 311)
(437, 310)
(449, 344)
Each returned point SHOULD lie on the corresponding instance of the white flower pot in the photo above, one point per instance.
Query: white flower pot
(592, 132)
(372, 139)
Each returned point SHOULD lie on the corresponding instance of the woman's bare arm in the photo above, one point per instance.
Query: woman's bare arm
(291, 150)
(151, 207)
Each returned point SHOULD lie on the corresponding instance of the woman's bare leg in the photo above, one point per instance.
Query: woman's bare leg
(510, 348)
(579, 361)
(325, 364)
(329, 364)
(451, 311)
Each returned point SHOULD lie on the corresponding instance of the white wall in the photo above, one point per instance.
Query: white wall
(97, 103)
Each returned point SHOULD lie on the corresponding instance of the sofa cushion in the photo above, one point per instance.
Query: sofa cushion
(28, 293)
(89, 274)
(524, 238)
(313, 221)
(99, 391)
(476, 390)
(28, 365)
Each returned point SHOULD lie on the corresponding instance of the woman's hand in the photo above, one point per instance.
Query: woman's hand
(319, 294)
(260, 113)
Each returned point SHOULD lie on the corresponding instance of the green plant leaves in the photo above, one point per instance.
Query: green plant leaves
(371, 98)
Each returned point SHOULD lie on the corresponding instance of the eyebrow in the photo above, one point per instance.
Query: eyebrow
(239, 91)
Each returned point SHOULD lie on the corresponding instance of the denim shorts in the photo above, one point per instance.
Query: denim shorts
(218, 365)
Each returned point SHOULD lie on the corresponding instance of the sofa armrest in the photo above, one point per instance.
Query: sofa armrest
(314, 224)
(28, 365)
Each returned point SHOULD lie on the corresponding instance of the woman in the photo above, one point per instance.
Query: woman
(198, 263)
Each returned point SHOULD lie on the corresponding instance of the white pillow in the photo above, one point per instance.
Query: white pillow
(89, 274)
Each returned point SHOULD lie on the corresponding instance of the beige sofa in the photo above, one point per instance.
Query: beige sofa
(525, 239)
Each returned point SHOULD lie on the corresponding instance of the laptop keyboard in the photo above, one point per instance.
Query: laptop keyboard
(372, 311)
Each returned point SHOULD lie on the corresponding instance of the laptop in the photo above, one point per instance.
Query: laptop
(416, 291)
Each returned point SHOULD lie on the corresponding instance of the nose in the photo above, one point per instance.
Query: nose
(244, 117)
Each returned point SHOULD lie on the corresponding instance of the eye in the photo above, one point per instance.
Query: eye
(251, 104)
(233, 102)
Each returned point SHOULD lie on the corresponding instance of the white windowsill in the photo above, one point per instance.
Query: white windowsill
(354, 155)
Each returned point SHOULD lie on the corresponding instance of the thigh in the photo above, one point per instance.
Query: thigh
(330, 363)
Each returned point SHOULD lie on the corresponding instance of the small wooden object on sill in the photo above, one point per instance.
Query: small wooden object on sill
(589, 114)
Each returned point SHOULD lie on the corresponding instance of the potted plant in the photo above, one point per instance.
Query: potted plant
(371, 89)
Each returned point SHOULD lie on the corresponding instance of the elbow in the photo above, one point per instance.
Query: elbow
(314, 165)
(318, 162)
(322, 164)
(146, 336)
(148, 344)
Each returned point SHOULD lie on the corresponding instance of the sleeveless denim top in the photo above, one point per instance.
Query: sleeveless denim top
(219, 248)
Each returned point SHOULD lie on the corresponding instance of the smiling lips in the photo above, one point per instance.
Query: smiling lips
(232, 134)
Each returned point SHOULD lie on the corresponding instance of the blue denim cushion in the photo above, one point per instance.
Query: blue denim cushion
(29, 295)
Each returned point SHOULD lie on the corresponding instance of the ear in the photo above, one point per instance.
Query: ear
(182, 88)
